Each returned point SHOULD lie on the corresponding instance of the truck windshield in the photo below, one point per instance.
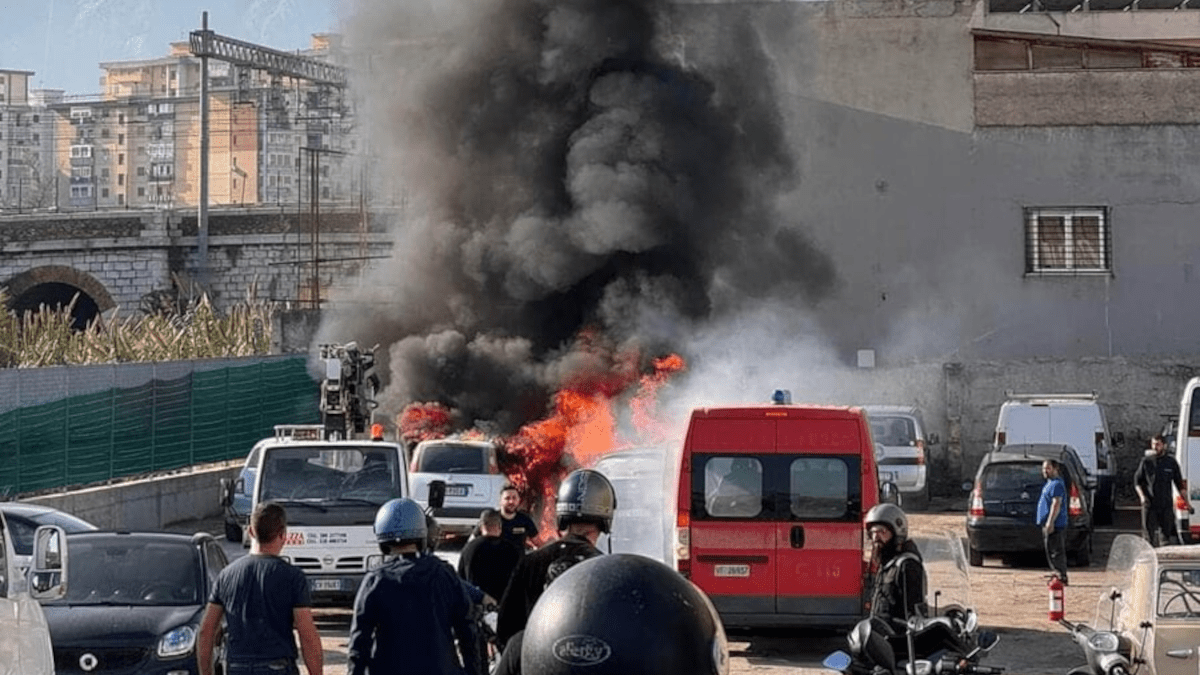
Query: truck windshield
(330, 477)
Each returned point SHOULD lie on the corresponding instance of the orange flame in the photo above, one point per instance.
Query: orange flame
(424, 421)
(581, 428)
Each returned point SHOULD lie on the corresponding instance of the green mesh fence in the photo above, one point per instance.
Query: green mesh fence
(178, 418)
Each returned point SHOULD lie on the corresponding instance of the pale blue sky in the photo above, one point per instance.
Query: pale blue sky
(64, 41)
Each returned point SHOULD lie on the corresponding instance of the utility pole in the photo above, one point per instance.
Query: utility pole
(202, 215)
(204, 43)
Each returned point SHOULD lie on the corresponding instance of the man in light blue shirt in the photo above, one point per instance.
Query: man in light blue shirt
(1052, 518)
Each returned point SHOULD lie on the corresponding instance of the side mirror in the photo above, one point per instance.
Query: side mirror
(967, 486)
(48, 574)
(1118, 439)
(437, 494)
(987, 640)
(933, 439)
(889, 493)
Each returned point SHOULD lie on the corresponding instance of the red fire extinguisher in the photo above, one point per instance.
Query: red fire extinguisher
(1056, 598)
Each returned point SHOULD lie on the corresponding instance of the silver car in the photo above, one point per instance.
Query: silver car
(902, 447)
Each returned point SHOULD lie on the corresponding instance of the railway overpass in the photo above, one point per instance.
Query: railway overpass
(146, 258)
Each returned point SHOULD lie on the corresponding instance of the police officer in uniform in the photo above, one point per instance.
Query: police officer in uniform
(410, 610)
(586, 501)
(623, 614)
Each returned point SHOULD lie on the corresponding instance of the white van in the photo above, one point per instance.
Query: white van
(1077, 420)
(1187, 452)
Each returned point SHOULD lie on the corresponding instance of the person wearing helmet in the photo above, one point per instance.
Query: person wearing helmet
(410, 610)
(900, 579)
(623, 614)
(585, 506)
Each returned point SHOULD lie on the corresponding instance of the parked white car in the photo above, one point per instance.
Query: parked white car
(471, 471)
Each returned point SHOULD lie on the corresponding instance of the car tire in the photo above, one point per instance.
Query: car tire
(1104, 506)
(1083, 555)
(917, 501)
(975, 555)
(233, 532)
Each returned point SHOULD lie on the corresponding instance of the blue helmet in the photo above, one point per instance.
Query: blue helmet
(400, 520)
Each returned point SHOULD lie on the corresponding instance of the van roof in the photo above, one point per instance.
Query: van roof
(776, 411)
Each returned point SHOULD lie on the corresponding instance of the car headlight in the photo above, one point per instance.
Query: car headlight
(1104, 642)
(177, 642)
(374, 561)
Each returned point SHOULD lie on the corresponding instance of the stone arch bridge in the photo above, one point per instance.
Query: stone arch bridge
(143, 259)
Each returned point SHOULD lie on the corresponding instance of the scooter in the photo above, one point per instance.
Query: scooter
(1106, 651)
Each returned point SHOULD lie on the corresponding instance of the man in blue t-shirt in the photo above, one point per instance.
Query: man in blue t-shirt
(262, 598)
(1052, 518)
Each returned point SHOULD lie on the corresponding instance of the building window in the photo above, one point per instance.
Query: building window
(141, 171)
(120, 179)
(80, 151)
(104, 193)
(1067, 240)
(121, 139)
(141, 192)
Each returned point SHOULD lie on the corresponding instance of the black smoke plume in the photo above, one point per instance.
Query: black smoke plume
(564, 173)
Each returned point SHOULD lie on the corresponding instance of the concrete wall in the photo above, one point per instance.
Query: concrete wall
(151, 503)
(961, 401)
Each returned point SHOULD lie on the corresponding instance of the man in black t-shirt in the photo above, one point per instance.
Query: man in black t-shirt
(262, 599)
(488, 560)
(1152, 481)
(516, 526)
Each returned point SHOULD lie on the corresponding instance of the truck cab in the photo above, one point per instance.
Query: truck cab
(331, 490)
(24, 636)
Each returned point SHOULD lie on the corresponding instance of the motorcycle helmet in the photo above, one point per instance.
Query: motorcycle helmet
(623, 614)
(400, 520)
(585, 496)
(890, 515)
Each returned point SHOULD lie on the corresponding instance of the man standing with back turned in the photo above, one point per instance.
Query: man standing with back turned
(262, 599)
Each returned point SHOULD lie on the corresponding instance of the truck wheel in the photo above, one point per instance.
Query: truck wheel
(975, 555)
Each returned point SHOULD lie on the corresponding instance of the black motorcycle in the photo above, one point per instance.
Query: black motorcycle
(938, 640)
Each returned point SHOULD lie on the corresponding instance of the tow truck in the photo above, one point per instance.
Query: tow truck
(331, 478)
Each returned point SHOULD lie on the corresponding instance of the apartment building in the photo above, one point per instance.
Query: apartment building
(27, 176)
(272, 140)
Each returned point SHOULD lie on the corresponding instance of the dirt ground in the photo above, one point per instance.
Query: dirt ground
(1010, 596)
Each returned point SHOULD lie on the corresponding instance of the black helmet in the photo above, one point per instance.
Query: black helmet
(623, 614)
(586, 496)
